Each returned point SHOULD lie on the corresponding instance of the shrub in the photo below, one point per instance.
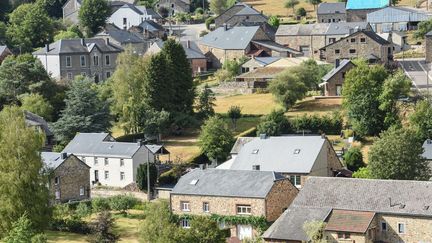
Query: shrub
(102, 229)
(66, 219)
(319, 124)
(209, 21)
(354, 159)
(83, 210)
(122, 202)
(301, 12)
(100, 204)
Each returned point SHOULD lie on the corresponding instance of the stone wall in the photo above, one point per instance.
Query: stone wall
(279, 199)
(328, 18)
(417, 229)
(234, 88)
(337, 79)
(198, 65)
(358, 15)
(296, 42)
(225, 16)
(332, 237)
(110, 193)
(428, 48)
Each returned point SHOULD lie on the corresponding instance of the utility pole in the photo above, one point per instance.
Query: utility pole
(148, 174)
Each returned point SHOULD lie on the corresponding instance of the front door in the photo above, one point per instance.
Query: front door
(338, 90)
(244, 232)
(96, 173)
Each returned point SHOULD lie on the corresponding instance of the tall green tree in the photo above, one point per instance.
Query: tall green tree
(288, 88)
(93, 15)
(29, 27)
(180, 77)
(274, 124)
(53, 7)
(314, 3)
(22, 232)
(397, 155)
(38, 105)
(204, 230)
(218, 6)
(205, 103)
(291, 4)
(22, 187)
(423, 28)
(421, 119)
(216, 139)
(362, 90)
(234, 113)
(142, 176)
(102, 229)
(274, 21)
(84, 112)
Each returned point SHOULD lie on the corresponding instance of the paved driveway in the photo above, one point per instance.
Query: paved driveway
(187, 32)
(416, 69)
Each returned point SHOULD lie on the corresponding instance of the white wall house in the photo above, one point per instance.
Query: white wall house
(130, 15)
(112, 163)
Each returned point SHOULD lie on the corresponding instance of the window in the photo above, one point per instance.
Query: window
(244, 209)
(106, 175)
(121, 162)
(96, 173)
(255, 167)
(68, 61)
(184, 206)
(343, 235)
(108, 74)
(401, 228)
(297, 151)
(106, 161)
(383, 226)
(57, 180)
(353, 40)
(122, 176)
(107, 60)
(185, 223)
(352, 51)
(362, 40)
(96, 162)
(295, 180)
(255, 151)
(124, 21)
(69, 76)
(206, 207)
(82, 191)
(96, 60)
(57, 194)
(337, 51)
(83, 61)
(331, 40)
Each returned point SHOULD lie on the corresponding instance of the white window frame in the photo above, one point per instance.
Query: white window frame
(57, 194)
(69, 61)
(122, 176)
(96, 162)
(106, 175)
(83, 64)
(82, 191)
(185, 223)
(404, 228)
(244, 209)
(206, 207)
(185, 206)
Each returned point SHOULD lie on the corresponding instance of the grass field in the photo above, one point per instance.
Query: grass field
(255, 104)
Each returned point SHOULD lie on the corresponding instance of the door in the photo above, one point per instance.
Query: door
(305, 50)
(338, 90)
(96, 173)
(244, 232)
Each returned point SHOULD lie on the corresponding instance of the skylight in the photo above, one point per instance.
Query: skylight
(194, 182)
(296, 151)
(255, 151)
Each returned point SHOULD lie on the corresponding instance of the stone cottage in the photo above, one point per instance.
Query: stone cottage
(234, 193)
(333, 80)
(331, 12)
(240, 13)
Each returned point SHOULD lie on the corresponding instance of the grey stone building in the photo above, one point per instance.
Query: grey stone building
(65, 59)
(428, 46)
(331, 12)
(240, 13)
(362, 44)
(174, 6)
(357, 10)
(333, 80)
(39, 124)
(69, 177)
(4, 52)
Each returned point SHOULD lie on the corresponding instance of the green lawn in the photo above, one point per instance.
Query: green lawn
(255, 104)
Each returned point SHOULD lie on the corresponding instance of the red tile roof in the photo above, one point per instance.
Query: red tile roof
(349, 221)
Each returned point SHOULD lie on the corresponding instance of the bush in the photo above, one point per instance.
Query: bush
(319, 124)
(83, 210)
(100, 204)
(301, 12)
(122, 202)
(354, 159)
(66, 219)
(209, 21)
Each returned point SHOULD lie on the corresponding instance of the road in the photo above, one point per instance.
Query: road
(416, 69)
(187, 32)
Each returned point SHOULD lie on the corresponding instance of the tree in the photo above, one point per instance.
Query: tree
(64, 35)
(234, 113)
(21, 231)
(274, 21)
(218, 6)
(397, 155)
(102, 229)
(29, 27)
(301, 12)
(394, 88)
(93, 15)
(354, 159)
(84, 112)
(38, 105)
(423, 28)
(142, 176)
(288, 88)
(122, 203)
(310, 73)
(22, 185)
(314, 2)
(53, 7)
(315, 231)
(291, 4)
(155, 123)
(421, 119)
(204, 230)
(363, 173)
(205, 104)
(274, 124)
(394, 2)
(3, 29)
(362, 88)
(216, 139)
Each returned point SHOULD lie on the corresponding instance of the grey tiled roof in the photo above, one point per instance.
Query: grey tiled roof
(340, 28)
(193, 52)
(32, 119)
(275, 46)
(51, 159)
(227, 183)
(75, 46)
(122, 36)
(278, 154)
(335, 70)
(397, 14)
(343, 28)
(380, 196)
(248, 10)
(151, 26)
(235, 38)
(331, 8)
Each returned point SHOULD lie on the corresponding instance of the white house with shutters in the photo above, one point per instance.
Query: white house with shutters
(131, 15)
(112, 163)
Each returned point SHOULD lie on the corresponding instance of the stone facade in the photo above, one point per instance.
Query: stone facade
(333, 84)
(428, 47)
(198, 65)
(70, 11)
(235, 20)
(417, 229)
(175, 6)
(229, 13)
(70, 181)
(357, 45)
(358, 15)
(329, 18)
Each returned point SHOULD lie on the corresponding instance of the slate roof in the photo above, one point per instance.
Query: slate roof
(142, 10)
(235, 38)
(193, 52)
(336, 70)
(32, 119)
(72, 46)
(427, 146)
(248, 10)
(51, 159)
(3, 49)
(120, 35)
(278, 154)
(349, 221)
(331, 8)
(275, 46)
(339, 28)
(374, 36)
(226, 183)
(240, 142)
(380, 196)
(151, 26)
(262, 73)
(366, 4)
(343, 28)
(397, 14)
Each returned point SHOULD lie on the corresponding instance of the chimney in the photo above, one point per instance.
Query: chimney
(225, 27)
(351, 31)
(188, 44)
(323, 136)
(47, 47)
(140, 143)
(107, 41)
(337, 63)
(202, 166)
(83, 41)
(263, 136)
(63, 156)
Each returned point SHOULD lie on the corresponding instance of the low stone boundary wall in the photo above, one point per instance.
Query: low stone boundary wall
(109, 193)
(234, 88)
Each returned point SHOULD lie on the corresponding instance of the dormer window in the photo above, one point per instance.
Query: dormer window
(296, 151)
(255, 151)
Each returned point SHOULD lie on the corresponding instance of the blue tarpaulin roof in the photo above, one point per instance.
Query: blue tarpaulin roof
(366, 4)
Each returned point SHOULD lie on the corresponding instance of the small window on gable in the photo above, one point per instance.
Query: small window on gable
(57, 180)
(255, 151)
(353, 40)
(296, 151)
(362, 40)
(383, 226)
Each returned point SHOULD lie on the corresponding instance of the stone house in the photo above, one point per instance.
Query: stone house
(196, 58)
(174, 6)
(112, 163)
(357, 10)
(4, 52)
(296, 157)
(40, 125)
(130, 15)
(333, 80)
(362, 44)
(230, 43)
(69, 177)
(71, 8)
(428, 47)
(65, 59)
(358, 210)
(150, 30)
(331, 12)
(240, 13)
(232, 193)
(309, 38)
(258, 62)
